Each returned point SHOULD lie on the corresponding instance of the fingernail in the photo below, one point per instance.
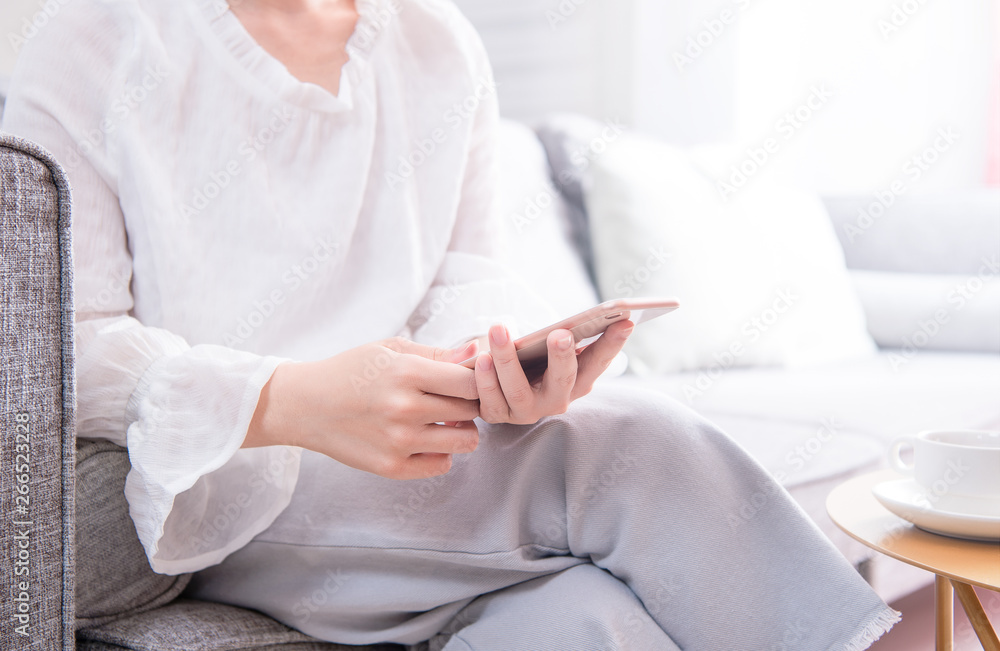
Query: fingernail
(484, 363)
(498, 334)
(565, 342)
(627, 332)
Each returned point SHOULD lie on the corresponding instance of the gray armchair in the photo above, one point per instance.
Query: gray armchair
(74, 574)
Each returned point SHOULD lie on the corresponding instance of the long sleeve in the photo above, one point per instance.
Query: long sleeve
(182, 411)
(229, 216)
(473, 289)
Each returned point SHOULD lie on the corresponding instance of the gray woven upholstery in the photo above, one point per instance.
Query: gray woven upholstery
(188, 625)
(36, 380)
(122, 603)
(113, 577)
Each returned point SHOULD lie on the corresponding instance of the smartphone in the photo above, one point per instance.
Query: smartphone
(586, 327)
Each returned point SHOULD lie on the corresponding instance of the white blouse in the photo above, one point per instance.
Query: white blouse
(228, 217)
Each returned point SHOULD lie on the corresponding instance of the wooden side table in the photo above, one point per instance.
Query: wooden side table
(957, 564)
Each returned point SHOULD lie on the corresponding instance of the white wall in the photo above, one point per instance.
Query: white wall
(892, 89)
(619, 59)
(547, 59)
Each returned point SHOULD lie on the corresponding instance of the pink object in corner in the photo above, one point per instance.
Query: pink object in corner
(993, 142)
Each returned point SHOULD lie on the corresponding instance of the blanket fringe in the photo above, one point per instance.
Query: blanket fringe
(874, 629)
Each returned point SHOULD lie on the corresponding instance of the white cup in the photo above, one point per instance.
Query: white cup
(952, 463)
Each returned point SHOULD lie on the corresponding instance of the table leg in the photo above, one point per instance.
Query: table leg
(980, 622)
(944, 614)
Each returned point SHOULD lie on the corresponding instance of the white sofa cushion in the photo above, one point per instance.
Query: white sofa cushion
(932, 233)
(918, 312)
(760, 274)
(891, 394)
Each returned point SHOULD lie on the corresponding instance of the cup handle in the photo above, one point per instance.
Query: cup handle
(895, 460)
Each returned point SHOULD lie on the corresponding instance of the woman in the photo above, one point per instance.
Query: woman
(279, 180)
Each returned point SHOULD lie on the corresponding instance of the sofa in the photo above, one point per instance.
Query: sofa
(919, 272)
(812, 425)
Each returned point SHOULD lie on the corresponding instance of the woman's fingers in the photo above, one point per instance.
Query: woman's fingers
(516, 388)
(462, 438)
(506, 395)
(445, 379)
(376, 408)
(427, 451)
(423, 466)
(432, 408)
(456, 355)
(449, 355)
(561, 375)
(493, 407)
(599, 355)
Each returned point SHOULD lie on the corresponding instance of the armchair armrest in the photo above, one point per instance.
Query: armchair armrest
(38, 401)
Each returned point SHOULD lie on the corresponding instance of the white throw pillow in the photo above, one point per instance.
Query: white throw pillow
(760, 274)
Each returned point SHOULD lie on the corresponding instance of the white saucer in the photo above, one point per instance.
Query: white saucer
(949, 515)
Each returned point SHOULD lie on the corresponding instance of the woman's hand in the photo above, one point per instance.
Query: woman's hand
(375, 408)
(506, 395)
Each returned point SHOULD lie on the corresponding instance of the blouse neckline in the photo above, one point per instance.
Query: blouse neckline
(273, 74)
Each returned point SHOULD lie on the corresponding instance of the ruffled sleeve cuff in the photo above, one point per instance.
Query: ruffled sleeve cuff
(195, 496)
(114, 354)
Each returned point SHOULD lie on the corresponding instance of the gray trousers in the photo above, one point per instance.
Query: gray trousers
(627, 523)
